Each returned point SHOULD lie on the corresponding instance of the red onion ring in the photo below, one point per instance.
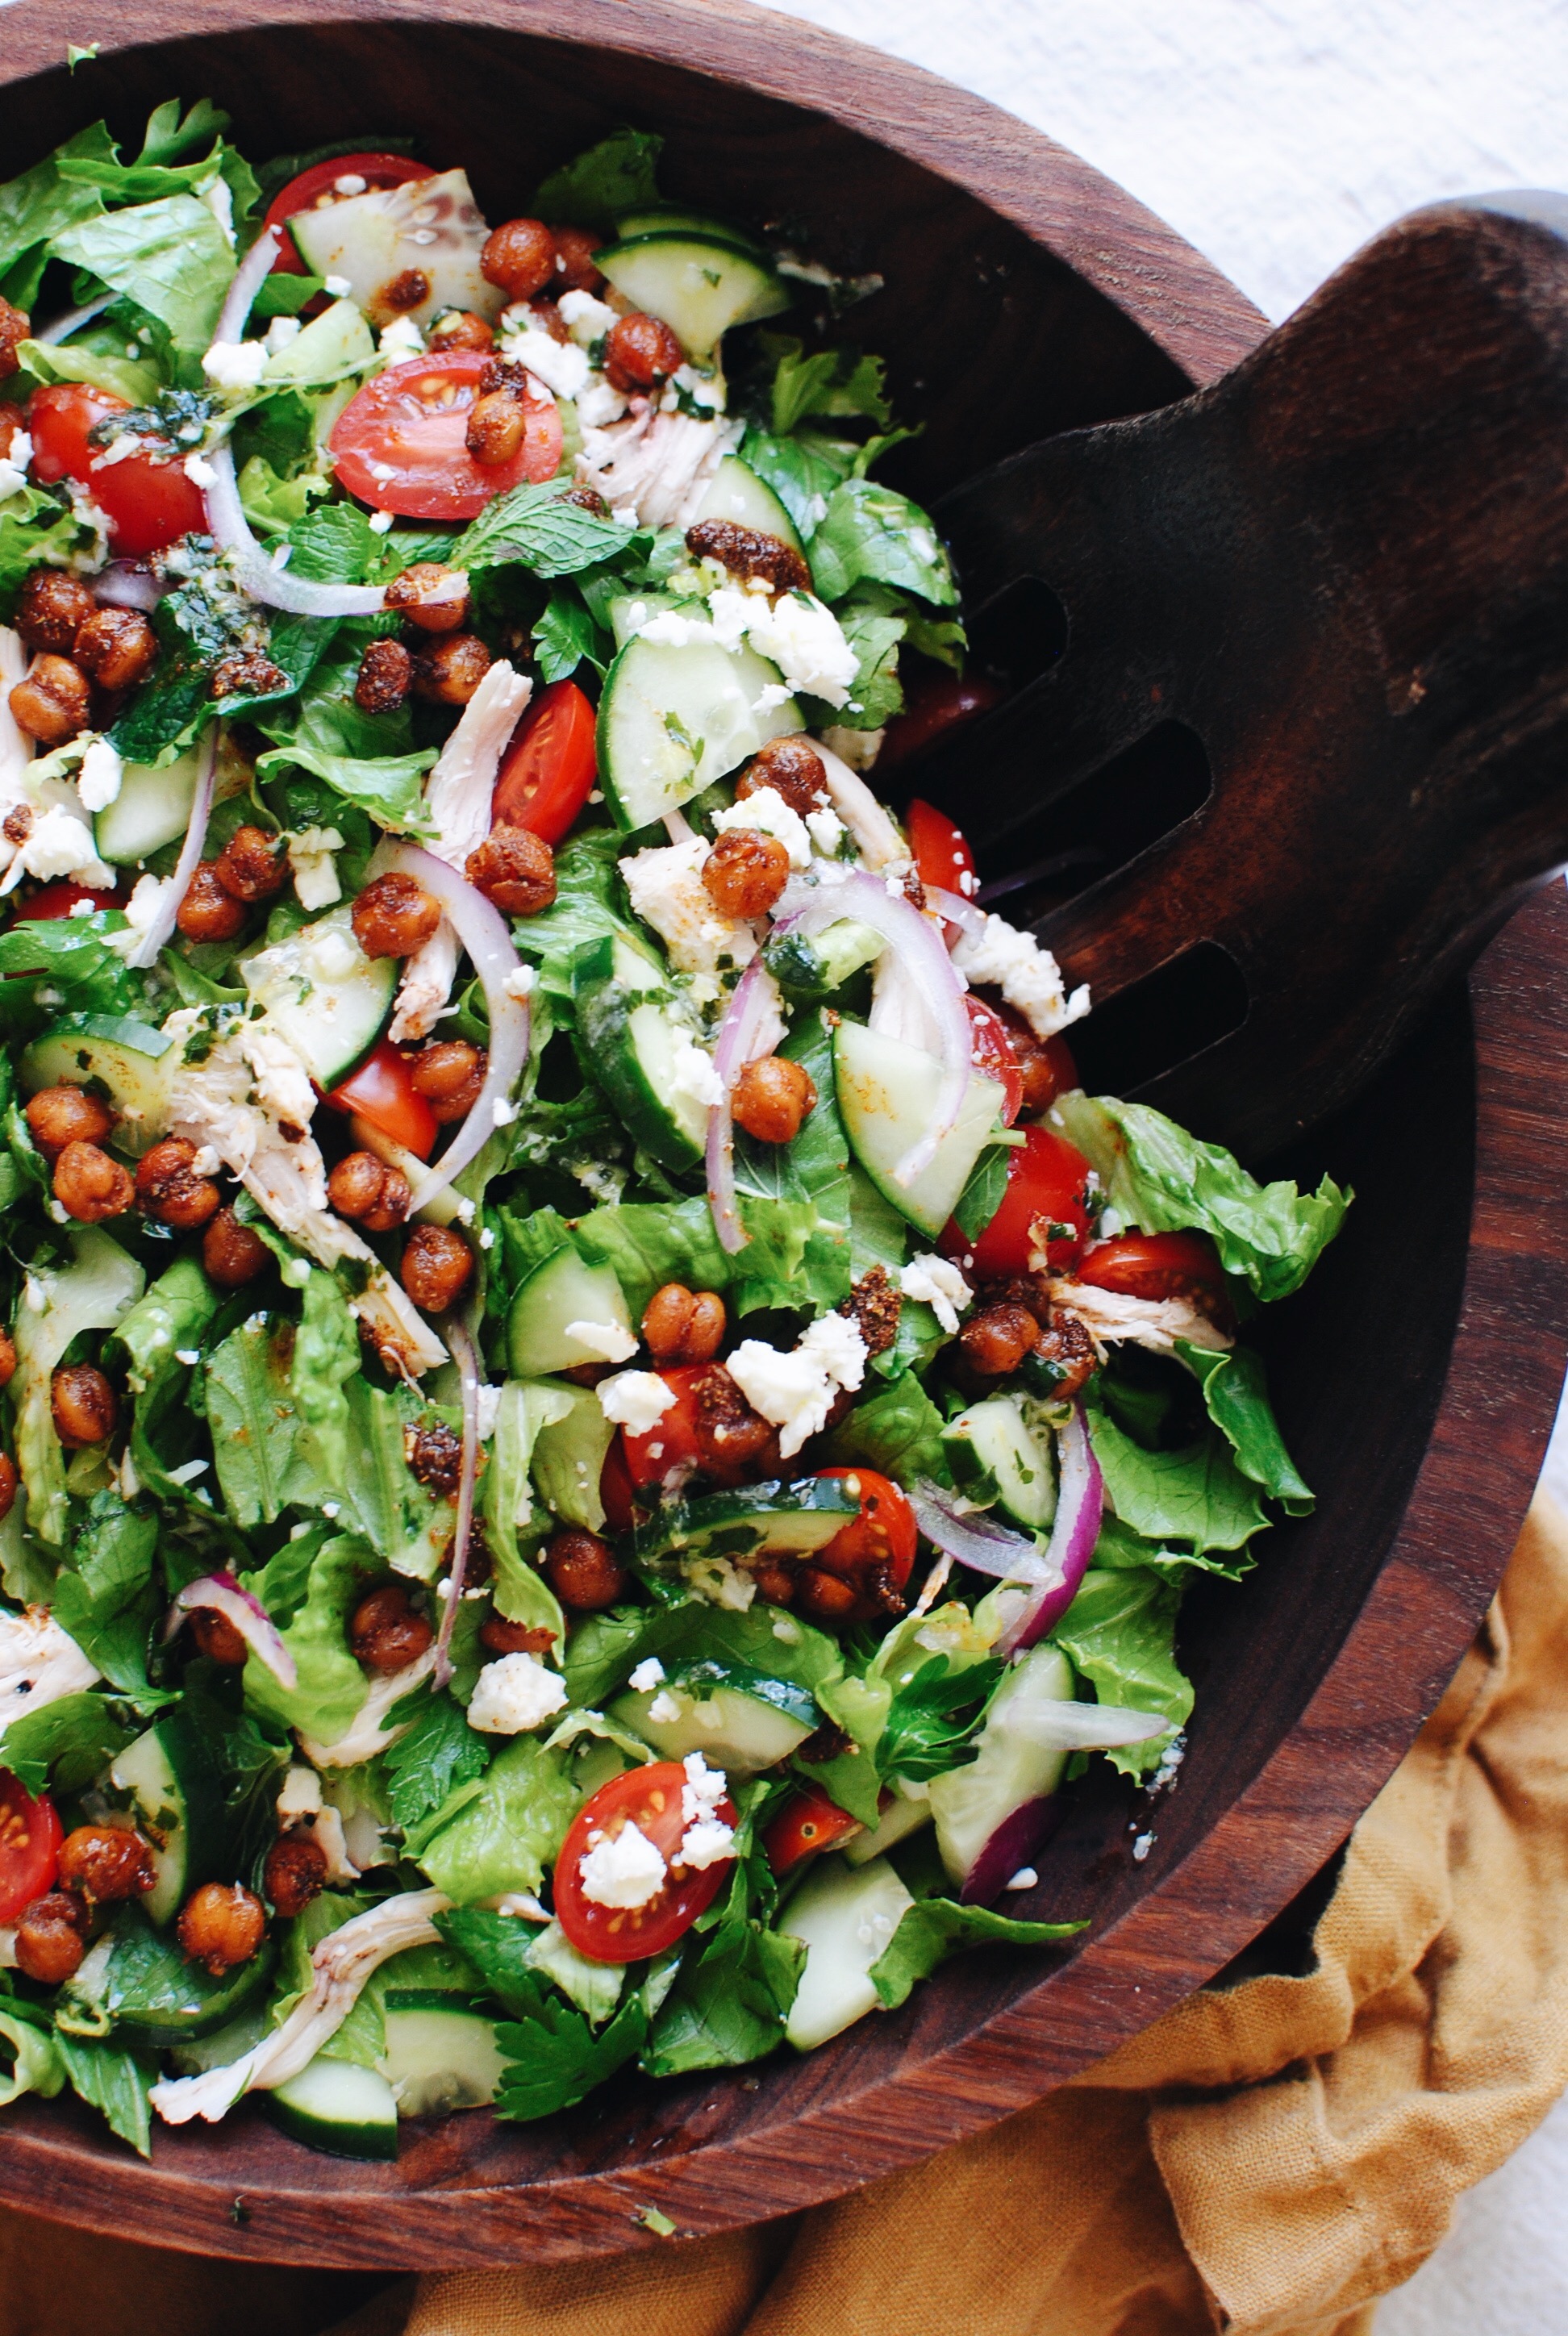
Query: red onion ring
(749, 1010)
(482, 932)
(465, 1354)
(126, 584)
(174, 888)
(976, 1540)
(1080, 1506)
(219, 1593)
(955, 910)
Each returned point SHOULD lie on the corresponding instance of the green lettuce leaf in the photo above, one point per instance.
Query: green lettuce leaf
(871, 531)
(512, 1522)
(331, 1687)
(171, 256)
(326, 1355)
(369, 757)
(507, 1956)
(604, 1649)
(839, 381)
(598, 187)
(897, 1430)
(116, 2083)
(105, 1595)
(1197, 1495)
(1119, 1632)
(504, 1830)
(729, 2002)
(41, 204)
(169, 1316)
(36, 529)
(65, 1744)
(931, 1717)
(256, 1430)
(803, 470)
(405, 1520)
(1237, 1394)
(29, 2062)
(853, 1778)
(935, 1928)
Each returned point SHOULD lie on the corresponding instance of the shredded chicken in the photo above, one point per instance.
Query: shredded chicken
(368, 1734)
(1157, 1323)
(425, 987)
(39, 1663)
(655, 464)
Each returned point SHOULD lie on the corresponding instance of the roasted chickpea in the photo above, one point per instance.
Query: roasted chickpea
(7, 1358)
(295, 1872)
(169, 1188)
(57, 1117)
(52, 609)
(90, 1186)
(52, 703)
(996, 1341)
(220, 1926)
(1067, 1351)
(574, 263)
(451, 669)
(746, 872)
(775, 1582)
(231, 1254)
(449, 1076)
(393, 916)
(519, 256)
(772, 1099)
(217, 1639)
(680, 1327)
(515, 871)
(640, 351)
(14, 326)
(497, 1636)
(430, 596)
(52, 1937)
(116, 647)
(460, 328)
(434, 1455)
(106, 1863)
(208, 913)
(362, 1189)
(734, 1442)
(87, 1408)
(747, 551)
(794, 769)
(582, 1571)
(497, 425)
(824, 1595)
(9, 1483)
(252, 864)
(436, 1264)
(249, 674)
(386, 1633)
(384, 679)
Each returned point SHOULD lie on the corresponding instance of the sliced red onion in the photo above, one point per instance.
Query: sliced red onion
(219, 1593)
(482, 929)
(465, 1354)
(1081, 1727)
(146, 951)
(1080, 1506)
(249, 278)
(62, 327)
(956, 911)
(923, 960)
(977, 1540)
(125, 584)
(1016, 1843)
(749, 1015)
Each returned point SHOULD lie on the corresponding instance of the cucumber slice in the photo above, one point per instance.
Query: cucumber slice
(331, 345)
(735, 492)
(177, 1795)
(668, 219)
(134, 1063)
(630, 1043)
(439, 2055)
(994, 1440)
(845, 1916)
(895, 1824)
(808, 970)
(672, 720)
(564, 1288)
(1007, 1772)
(151, 809)
(795, 1516)
(429, 227)
(323, 994)
(740, 1719)
(338, 2107)
(887, 1092)
(156, 1998)
(697, 284)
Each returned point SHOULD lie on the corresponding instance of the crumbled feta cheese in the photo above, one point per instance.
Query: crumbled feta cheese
(665, 1706)
(523, 982)
(826, 830)
(235, 365)
(380, 523)
(336, 288)
(1028, 976)
(283, 1086)
(767, 813)
(513, 1694)
(598, 406)
(625, 1872)
(936, 1283)
(612, 1342)
(560, 365)
(280, 334)
(648, 1674)
(718, 1582)
(668, 628)
(635, 1400)
(14, 464)
(703, 1790)
(313, 867)
(58, 844)
(794, 1392)
(1141, 1847)
(98, 780)
(1024, 1879)
(668, 892)
(692, 1073)
(706, 1844)
(195, 467)
(586, 319)
(807, 642)
(402, 338)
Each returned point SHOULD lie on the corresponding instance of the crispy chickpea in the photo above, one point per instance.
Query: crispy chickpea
(295, 1872)
(771, 1098)
(394, 916)
(436, 1264)
(249, 674)
(231, 1254)
(746, 872)
(824, 1596)
(52, 1937)
(9, 1481)
(497, 425)
(362, 1189)
(434, 1455)
(588, 499)
(732, 1441)
(997, 1340)
(640, 352)
(57, 1117)
(515, 871)
(168, 1187)
(217, 1639)
(52, 609)
(497, 1636)
(749, 552)
(680, 1327)
(519, 256)
(434, 597)
(574, 264)
(90, 1186)
(793, 768)
(451, 669)
(582, 1571)
(116, 647)
(220, 1926)
(386, 1633)
(1067, 1352)
(460, 328)
(52, 703)
(14, 326)
(87, 1408)
(106, 1863)
(252, 864)
(208, 913)
(7, 1358)
(384, 679)
(449, 1076)
(775, 1582)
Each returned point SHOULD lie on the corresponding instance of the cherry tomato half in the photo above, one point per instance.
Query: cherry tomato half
(617, 1490)
(992, 1053)
(58, 899)
(321, 185)
(934, 702)
(1046, 1182)
(943, 855)
(148, 505)
(549, 771)
(30, 1839)
(876, 1549)
(399, 445)
(805, 1824)
(1157, 1265)
(650, 1799)
(380, 1089)
(671, 1442)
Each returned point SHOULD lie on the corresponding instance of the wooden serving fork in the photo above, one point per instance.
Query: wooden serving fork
(1345, 568)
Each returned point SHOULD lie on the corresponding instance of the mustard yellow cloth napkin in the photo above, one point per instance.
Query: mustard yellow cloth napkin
(1267, 2160)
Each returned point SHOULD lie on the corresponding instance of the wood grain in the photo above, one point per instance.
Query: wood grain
(1416, 1374)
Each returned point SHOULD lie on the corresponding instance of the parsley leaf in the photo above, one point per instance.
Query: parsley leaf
(439, 1752)
(931, 1719)
(554, 2058)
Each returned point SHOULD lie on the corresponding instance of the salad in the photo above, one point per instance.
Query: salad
(595, 1425)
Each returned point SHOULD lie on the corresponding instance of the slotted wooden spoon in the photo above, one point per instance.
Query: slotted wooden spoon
(1345, 567)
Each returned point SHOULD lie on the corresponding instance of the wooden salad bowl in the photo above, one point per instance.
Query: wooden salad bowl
(1415, 1376)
